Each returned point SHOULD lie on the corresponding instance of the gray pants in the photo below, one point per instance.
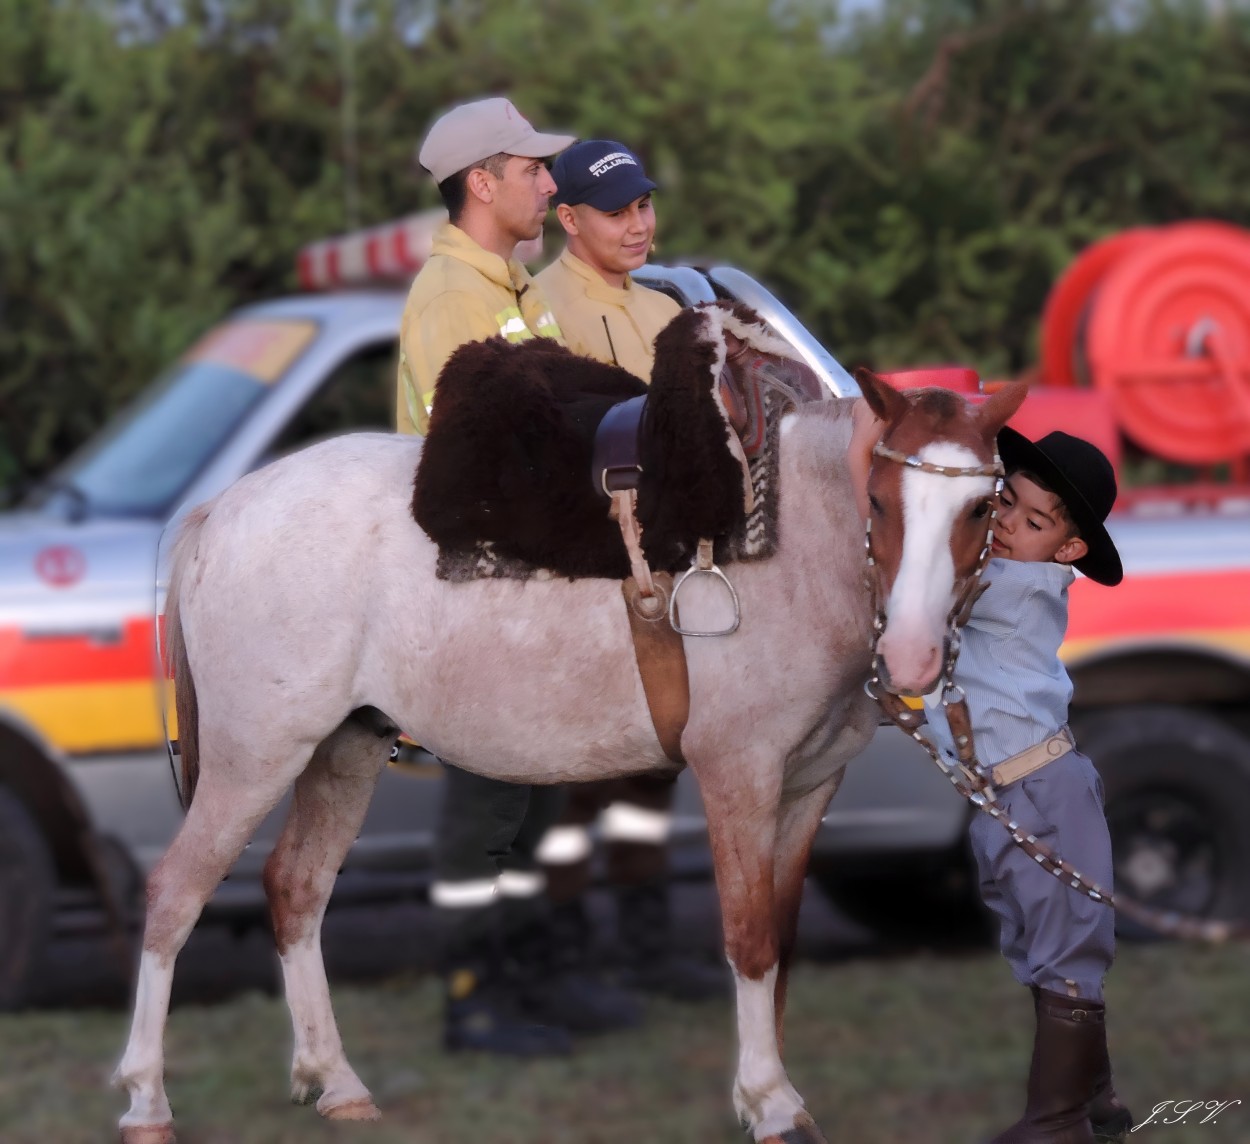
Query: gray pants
(1052, 936)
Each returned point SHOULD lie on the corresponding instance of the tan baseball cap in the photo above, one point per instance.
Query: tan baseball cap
(475, 131)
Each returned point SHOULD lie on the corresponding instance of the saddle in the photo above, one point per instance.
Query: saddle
(530, 446)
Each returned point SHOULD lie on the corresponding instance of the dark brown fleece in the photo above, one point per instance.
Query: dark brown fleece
(508, 454)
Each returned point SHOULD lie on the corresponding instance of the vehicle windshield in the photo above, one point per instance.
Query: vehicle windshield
(145, 458)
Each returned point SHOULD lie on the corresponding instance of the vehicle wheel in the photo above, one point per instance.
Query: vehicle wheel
(27, 893)
(929, 898)
(1177, 785)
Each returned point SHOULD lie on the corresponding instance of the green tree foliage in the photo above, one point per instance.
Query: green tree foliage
(911, 179)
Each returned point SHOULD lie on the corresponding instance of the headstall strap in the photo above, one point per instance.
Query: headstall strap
(990, 469)
(967, 774)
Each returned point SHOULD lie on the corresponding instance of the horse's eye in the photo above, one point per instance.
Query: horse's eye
(874, 504)
(981, 510)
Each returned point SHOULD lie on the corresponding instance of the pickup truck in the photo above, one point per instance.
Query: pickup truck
(88, 802)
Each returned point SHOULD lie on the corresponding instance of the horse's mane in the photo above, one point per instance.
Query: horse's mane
(824, 428)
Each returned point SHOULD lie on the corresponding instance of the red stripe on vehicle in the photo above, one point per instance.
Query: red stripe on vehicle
(1144, 606)
(36, 660)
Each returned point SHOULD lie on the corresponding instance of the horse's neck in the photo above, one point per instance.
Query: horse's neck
(814, 472)
(821, 535)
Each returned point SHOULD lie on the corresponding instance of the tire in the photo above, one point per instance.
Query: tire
(27, 896)
(1177, 786)
(928, 898)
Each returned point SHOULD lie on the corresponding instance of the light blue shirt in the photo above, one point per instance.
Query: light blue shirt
(1018, 691)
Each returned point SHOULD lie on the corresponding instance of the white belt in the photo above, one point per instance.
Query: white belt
(1033, 758)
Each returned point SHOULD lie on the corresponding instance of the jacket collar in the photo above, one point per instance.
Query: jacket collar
(454, 243)
(596, 287)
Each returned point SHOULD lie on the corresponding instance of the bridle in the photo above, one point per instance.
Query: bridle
(966, 774)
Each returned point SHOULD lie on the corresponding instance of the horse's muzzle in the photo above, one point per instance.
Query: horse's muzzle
(920, 683)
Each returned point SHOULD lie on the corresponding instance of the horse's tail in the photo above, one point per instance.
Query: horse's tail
(185, 701)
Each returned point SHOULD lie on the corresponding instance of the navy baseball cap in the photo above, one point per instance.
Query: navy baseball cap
(600, 173)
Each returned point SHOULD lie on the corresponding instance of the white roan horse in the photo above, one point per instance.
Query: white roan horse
(305, 593)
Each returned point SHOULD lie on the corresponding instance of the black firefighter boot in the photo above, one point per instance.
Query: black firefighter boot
(483, 1011)
(650, 960)
(1069, 1047)
(1110, 1120)
(549, 959)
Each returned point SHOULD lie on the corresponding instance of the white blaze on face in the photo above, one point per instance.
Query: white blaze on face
(924, 587)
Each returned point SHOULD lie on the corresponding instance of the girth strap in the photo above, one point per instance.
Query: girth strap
(661, 657)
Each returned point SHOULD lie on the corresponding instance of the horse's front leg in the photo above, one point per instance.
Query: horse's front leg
(798, 822)
(742, 827)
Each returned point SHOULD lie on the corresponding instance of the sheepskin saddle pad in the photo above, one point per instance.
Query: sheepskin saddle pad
(504, 485)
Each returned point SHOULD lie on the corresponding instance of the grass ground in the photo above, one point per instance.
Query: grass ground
(917, 1049)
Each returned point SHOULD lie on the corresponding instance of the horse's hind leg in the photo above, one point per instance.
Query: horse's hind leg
(222, 817)
(327, 810)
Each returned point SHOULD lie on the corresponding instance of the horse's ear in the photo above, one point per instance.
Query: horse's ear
(883, 399)
(994, 412)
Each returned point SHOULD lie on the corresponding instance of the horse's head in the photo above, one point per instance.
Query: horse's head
(931, 490)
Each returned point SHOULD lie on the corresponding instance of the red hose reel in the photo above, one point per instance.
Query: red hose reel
(1159, 320)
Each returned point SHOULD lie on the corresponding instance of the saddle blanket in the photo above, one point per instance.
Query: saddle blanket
(504, 485)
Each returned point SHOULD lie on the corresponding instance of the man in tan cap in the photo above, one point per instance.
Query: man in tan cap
(488, 163)
(504, 991)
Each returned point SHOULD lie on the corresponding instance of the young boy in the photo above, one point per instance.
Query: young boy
(1055, 499)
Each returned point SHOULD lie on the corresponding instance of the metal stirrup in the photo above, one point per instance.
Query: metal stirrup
(703, 565)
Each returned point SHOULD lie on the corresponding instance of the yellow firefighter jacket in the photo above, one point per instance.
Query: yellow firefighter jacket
(602, 321)
(462, 294)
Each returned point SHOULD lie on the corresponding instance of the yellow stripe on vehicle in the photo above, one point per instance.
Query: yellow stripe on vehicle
(84, 718)
(1235, 642)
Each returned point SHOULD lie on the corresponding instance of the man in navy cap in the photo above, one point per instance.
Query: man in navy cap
(505, 992)
(603, 201)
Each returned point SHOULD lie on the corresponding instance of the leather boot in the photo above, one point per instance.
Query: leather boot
(557, 982)
(649, 959)
(482, 1013)
(1109, 1119)
(1068, 1049)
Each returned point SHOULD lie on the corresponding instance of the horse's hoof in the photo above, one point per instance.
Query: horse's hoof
(149, 1134)
(361, 1109)
(804, 1131)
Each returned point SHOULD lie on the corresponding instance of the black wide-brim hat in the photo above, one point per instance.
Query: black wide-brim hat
(1080, 475)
